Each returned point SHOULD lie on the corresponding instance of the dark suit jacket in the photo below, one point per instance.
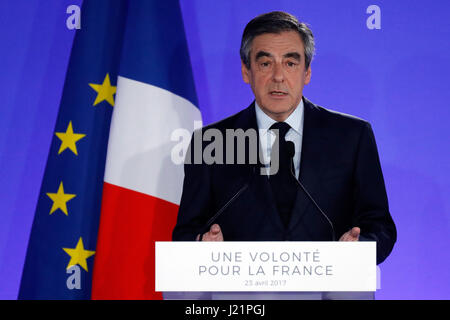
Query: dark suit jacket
(339, 167)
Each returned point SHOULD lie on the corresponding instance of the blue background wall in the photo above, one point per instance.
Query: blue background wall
(395, 77)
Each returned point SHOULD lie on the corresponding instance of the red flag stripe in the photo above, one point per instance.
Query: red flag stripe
(131, 222)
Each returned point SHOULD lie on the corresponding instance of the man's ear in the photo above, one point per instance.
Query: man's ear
(245, 73)
(308, 75)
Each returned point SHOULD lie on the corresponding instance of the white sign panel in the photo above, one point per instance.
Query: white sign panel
(265, 266)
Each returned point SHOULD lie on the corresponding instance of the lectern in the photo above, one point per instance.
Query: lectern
(266, 270)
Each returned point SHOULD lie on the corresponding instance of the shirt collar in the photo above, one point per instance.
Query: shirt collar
(264, 122)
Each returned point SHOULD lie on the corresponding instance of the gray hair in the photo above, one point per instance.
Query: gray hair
(276, 22)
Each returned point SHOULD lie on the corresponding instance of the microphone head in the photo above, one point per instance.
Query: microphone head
(290, 147)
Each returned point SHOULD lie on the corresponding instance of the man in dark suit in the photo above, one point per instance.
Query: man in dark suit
(334, 157)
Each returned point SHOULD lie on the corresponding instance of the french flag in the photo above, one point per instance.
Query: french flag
(142, 185)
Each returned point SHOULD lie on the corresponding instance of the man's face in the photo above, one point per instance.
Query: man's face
(277, 72)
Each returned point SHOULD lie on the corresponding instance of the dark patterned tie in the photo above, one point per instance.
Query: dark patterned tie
(284, 187)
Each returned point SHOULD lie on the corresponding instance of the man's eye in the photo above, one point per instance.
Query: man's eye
(265, 64)
(291, 64)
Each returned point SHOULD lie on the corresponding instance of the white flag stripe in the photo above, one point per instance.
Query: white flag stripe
(139, 149)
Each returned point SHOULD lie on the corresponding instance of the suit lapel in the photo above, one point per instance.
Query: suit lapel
(311, 161)
(260, 184)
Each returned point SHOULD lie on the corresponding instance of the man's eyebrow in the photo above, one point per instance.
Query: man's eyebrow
(294, 55)
(263, 54)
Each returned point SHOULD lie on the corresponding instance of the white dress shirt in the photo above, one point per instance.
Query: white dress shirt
(295, 133)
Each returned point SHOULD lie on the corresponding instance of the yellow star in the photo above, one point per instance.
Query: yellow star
(60, 199)
(78, 255)
(105, 91)
(69, 139)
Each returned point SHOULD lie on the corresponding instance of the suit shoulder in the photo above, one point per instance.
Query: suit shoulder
(232, 122)
(340, 119)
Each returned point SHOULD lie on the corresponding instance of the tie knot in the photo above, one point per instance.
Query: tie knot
(282, 127)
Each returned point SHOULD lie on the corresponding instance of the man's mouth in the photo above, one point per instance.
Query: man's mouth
(278, 93)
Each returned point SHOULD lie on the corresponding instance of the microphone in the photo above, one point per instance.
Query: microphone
(227, 204)
(291, 152)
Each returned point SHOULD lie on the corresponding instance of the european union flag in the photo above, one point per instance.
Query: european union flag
(62, 244)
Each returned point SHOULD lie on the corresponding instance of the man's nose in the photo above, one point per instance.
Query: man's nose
(278, 74)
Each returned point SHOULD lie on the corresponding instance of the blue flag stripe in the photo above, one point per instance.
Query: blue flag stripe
(95, 53)
(146, 50)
